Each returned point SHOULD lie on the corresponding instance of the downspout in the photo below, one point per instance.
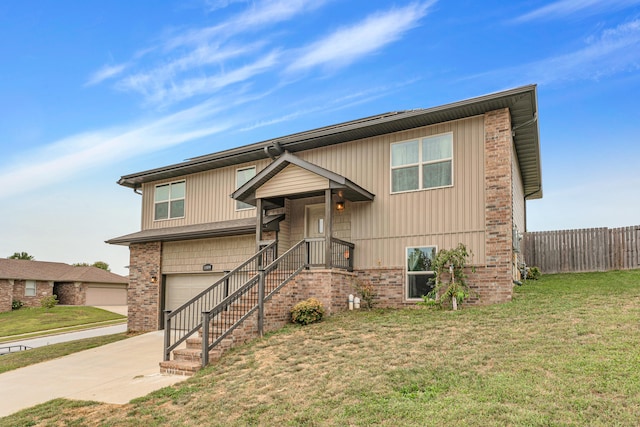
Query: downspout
(135, 190)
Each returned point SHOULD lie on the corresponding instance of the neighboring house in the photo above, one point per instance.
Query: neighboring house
(30, 281)
(376, 196)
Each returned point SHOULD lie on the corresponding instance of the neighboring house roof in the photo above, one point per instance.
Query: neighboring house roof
(522, 103)
(351, 191)
(200, 231)
(20, 269)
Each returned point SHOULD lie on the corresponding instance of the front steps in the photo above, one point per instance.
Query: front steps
(187, 361)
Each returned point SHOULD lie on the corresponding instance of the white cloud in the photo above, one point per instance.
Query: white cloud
(564, 8)
(213, 5)
(65, 158)
(105, 73)
(350, 44)
(613, 51)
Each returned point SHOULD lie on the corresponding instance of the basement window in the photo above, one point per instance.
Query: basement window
(169, 200)
(420, 274)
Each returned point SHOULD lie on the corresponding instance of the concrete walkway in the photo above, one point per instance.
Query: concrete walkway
(113, 373)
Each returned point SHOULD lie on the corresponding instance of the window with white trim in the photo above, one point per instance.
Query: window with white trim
(30, 288)
(169, 200)
(422, 163)
(419, 269)
(242, 177)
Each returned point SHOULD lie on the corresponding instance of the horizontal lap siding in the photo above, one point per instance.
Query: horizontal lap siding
(292, 180)
(223, 253)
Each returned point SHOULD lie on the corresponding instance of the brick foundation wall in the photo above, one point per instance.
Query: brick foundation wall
(388, 284)
(143, 295)
(6, 295)
(43, 289)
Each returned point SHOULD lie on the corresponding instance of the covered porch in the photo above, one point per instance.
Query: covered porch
(315, 203)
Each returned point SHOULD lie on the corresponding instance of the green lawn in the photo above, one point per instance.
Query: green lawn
(564, 352)
(27, 320)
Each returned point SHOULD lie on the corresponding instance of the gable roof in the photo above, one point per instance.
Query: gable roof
(522, 103)
(21, 269)
(351, 191)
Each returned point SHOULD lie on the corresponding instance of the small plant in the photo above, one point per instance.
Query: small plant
(49, 302)
(16, 304)
(366, 291)
(307, 311)
(534, 273)
(451, 285)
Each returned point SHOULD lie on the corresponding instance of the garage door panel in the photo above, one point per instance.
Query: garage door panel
(106, 295)
(180, 288)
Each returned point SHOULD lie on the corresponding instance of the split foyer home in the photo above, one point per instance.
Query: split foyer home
(371, 199)
(30, 281)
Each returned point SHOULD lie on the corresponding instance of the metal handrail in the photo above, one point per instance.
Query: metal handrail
(19, 347)
(186, 320)
(234, 309)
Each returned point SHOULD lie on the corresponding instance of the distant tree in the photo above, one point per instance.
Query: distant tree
(101, 264)
(21, 255)
(98, 264)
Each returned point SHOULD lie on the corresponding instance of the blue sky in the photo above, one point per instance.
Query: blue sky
(91, 91)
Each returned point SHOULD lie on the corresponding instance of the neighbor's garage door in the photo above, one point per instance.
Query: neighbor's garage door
(180, 288)
(105, 294)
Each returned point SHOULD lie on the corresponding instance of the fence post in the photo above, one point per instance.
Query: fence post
(261, 303)
(205, 338)
(167, 335)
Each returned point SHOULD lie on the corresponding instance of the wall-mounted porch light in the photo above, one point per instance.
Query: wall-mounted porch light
(340, 206)
(154, 279)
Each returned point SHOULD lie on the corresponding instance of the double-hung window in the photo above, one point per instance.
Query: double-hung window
(422, 163)
(420, 274)
(30, 288)
(169, 200)
(242, 177)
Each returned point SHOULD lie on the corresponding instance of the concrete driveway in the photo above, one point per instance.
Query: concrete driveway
(113, 373)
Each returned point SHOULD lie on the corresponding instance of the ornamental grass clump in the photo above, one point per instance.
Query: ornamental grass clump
(307, 311)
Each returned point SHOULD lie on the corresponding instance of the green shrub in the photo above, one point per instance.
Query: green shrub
(307, 311)
(16, 304)
(534, 273)
(49, 302)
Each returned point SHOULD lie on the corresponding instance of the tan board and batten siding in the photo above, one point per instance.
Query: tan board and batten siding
(206, 199)
(381, 230)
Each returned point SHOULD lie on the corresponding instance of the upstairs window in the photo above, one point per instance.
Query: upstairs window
(242, 177)
(420, 274)
(30, 288)
(169, 200)
(422, 163)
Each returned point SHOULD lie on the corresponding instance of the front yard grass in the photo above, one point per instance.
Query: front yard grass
(28, 320)
(564, 352)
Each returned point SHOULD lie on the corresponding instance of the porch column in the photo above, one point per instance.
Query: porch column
(259, 220)
(328, 227)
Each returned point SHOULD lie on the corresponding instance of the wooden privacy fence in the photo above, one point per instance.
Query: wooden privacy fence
(589, 249)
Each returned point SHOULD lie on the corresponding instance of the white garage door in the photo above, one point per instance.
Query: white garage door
(180, 288)
(105, 294)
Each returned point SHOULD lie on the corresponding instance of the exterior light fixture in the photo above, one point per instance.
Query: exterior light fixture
(154, 279)
(340, 206)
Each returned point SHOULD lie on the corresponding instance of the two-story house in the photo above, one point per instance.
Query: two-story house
(368, 195)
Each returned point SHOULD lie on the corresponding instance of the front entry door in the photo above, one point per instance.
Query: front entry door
(315, 229)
